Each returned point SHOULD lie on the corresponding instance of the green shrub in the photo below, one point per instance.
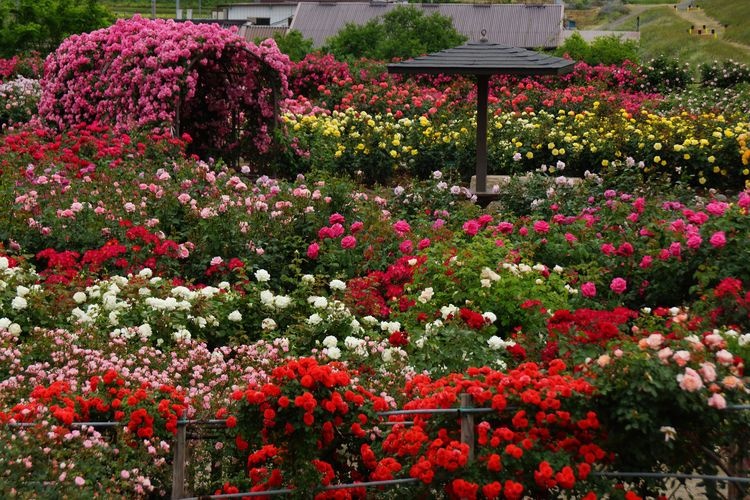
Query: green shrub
(725, 74)
(665, 74)
(602, 50)
(401, 33)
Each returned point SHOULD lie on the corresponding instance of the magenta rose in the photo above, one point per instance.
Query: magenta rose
(588, 289)
(618, 285)
(348, 242)
(313, 250)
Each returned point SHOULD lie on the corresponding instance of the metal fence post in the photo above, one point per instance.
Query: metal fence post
(467, 424)
(178, 464)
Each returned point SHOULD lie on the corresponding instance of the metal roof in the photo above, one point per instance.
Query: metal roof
(251, 32)
(485, 58)
(517, 25)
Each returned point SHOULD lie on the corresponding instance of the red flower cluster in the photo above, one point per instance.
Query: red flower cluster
(304, 402)
(145, 411)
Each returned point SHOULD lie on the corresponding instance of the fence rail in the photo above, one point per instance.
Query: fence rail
(465, 412)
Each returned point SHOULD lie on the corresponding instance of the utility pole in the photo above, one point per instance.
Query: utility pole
(153, 9)
(177, 9)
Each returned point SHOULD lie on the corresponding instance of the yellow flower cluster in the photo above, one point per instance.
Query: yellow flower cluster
(703, 148)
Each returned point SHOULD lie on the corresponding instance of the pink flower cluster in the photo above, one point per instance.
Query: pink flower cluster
(142, 72)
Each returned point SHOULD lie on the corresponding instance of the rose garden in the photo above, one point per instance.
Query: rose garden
(196, 229)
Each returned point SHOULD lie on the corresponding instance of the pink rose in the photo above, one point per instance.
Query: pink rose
(313, 250)
(336, 230)
(618, 285)
(505, 227)
(348, 242)
(406, 247)
(401, 227)
(664, 354)
(336, 218)
(424, 243)
(356, 226)
(708, 372)
(588, 289)
(724, 357)
(681, 357)
(654, 340)
(718, 239)
(541, 227)
(717, 401)
(471, 227)
(694, 242)
(690, 381)
(646, 262)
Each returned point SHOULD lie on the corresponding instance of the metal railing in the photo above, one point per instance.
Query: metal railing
(465, 412)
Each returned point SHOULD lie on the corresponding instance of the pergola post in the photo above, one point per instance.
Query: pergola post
(482, 93)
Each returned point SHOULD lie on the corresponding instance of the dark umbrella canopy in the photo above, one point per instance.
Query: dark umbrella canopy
(484, 59)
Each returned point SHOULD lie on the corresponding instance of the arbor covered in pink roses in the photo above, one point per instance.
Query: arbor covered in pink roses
(194, 78)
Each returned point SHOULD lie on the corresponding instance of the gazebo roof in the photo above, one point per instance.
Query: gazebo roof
(485, 58)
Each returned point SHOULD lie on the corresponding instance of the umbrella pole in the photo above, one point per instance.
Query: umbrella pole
(482, 92)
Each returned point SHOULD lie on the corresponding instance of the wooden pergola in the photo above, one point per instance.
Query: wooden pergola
(484, 59)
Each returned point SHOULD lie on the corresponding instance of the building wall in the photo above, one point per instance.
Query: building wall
(278, 14)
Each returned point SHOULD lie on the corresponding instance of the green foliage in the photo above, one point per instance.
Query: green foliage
(401, 33)
(602, 50)
(42, 24)
(726, 74)
(293, 44)
(665, 74)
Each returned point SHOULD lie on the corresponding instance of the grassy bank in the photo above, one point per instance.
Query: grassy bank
(664, 33)
(734, 13)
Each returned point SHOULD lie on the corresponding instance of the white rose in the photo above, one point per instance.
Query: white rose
(4, 262)
(224, 285)
(308, 278)
(235, 316)
(387, 355)
(114, 318)
(144, 330)
(19, 303)
(744, 339)
(330, 341)
(320, 302)
(337, 285)
(4, 323)
(448, 310)
(79, 297)
(282, 301)
(332, 352)
(181, 334)
(490, 316)
(145, 273)
(14, 329)
(353, 342)
(314, 319)
(495, 343)
(426, 295)
(262, 275)
(370, 320)
(268, 324)
(266, 298)
(22, 291)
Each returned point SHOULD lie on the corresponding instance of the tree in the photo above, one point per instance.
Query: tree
(403, 32)
(293, 44)
(41, 25)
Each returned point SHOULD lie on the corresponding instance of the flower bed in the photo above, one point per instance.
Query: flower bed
(600, 324)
